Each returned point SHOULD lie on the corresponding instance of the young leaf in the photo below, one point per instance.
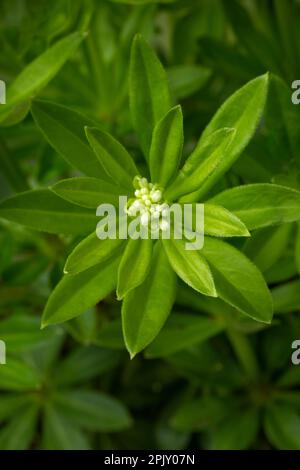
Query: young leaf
(63, 128)
(114, 158)
(39, 72)
(166, 147)
(93, 411)
(88, 192)
(219, 222)
(237, 280)
(241, 111)
(146, 308)
(43, 210)
(148, 90)
(74, 294)
(190, 266)
(200, 165)
(134, 265)
(182, 331)
(90, 251)
(261, 205)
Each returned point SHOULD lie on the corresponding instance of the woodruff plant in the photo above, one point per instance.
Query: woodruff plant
(144, 271)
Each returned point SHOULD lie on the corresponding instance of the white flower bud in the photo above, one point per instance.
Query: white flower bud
(145, 219)
(156, 195)
(164, 225)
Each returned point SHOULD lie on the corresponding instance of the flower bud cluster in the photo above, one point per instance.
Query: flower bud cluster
(148, 204)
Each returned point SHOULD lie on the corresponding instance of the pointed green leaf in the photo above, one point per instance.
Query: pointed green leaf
(237, 280)
(182, 331)
(219, 222)
(41, 209)
(282, 424)
(74, 294)
(93, 411)
(82, 365)
(261, 205)
(190, 266)
(185, 80)
(237, 431)
(90, 251)
(59, 433)
(134, 265)
(63, 128)
(149, 91)
(19, 433)
(297, 248)
(39, 72)
(166, 147)
(17, 375)
(146, 308)
(88, 192)
(11, 403)
(114, 158)
(241, 111)
(268, 245)
(200, 165)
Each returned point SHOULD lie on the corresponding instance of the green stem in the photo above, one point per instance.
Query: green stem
(244, 353)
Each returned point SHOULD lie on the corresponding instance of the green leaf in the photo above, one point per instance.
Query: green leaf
(22, 333)
(261, 205)
(190, 266)
(237, 280)
(268, 245)
(88, 192)
(182, 331)
(237, 432)
(185, 80)
(61, 434)
(41, 209)
(146, 308)
(200, 413)
(39, 72)
(93, 411)
(114, 158)
(297, 248)
(83, 364)
(219, 222)
(149, 91)
(242, 112)
(110, 335)
(19, 433)
(90, 251)
(17, 375)
(63, 128)
(166, 147)
(11, 404)
(134, 265)
(200, 165)
(76, 293)
(282, 424)
(286, 297)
